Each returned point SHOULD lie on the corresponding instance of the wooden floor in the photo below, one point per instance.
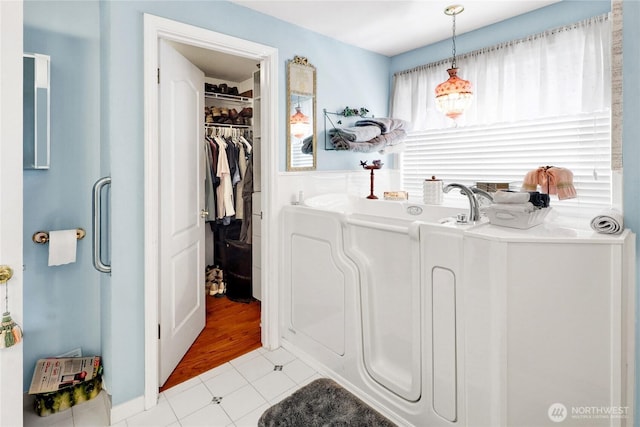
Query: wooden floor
(232, 329)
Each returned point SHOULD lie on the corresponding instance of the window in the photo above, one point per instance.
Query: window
(544, 100)
(502, 152)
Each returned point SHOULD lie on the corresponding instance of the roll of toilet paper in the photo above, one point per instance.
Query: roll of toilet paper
(432, 191)
(62, 247)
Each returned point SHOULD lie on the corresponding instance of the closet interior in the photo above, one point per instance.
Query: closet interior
(231, 121)
(229, 144)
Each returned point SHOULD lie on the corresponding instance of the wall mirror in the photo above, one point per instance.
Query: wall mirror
(301, 117)
(35, 110)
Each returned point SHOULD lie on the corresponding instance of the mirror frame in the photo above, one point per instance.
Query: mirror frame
(36, 106)
(301, 81)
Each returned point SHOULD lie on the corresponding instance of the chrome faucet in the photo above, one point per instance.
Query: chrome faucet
(482, 193)
(474, 209)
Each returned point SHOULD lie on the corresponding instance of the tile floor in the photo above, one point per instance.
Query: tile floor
(234, 394)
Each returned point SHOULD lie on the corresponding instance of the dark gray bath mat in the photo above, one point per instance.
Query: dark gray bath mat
(322, 403)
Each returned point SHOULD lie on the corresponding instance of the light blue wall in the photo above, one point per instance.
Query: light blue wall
(62, 304)
(555, 15)
(631, 149)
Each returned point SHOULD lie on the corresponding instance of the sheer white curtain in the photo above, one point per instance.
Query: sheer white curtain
(562, 71)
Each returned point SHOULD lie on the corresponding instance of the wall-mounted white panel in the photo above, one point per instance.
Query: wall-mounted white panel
(317, 292)
(443, 310)
(563, 316)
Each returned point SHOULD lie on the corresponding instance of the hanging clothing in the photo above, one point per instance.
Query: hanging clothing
(247, 193)
(209, 188)
(232, 157)
(242, 165)
(225, 190)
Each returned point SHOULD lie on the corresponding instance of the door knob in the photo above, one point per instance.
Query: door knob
(5, 273)
(204, 213)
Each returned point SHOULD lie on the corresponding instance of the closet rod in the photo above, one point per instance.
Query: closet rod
(223, 125)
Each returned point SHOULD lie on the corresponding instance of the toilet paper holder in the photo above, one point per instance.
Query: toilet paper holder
(42, 237)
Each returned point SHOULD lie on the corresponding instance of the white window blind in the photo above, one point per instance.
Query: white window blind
(298, 158)
(505, 152)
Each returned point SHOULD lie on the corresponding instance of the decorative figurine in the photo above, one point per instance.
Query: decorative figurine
(377, 164)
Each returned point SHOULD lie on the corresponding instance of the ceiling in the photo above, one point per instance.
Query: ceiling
(388, 27)
(391, 27)
(217, 64)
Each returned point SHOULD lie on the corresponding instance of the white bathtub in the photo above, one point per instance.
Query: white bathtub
(436, 323)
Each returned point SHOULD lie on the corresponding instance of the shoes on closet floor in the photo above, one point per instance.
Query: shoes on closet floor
(213, 290)
(222, 290)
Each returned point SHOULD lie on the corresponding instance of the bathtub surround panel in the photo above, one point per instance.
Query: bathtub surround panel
(442, 272)
(443, 340)
(485, 337)
(554, 337)
(315, 283)
(511, 321)
(554, 316)
(316, 280)
(371, 365)
(388, 259)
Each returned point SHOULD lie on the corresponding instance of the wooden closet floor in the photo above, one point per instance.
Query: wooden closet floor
(232, 329)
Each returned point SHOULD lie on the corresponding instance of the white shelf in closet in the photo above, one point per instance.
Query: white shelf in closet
(228, 98)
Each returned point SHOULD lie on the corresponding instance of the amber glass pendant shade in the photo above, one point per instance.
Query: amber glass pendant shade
(299, 124)
(454, 96)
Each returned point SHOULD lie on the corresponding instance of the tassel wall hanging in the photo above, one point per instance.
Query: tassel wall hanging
(10, 332)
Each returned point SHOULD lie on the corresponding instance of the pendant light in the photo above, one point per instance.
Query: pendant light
(299, 123)
(454, 96)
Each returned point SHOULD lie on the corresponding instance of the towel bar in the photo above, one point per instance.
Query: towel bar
(42, 237)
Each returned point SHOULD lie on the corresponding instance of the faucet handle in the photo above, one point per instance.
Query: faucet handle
(462, 218)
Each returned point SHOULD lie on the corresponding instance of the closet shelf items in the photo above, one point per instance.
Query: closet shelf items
(229, 116)
(224, 106)
(224, 89)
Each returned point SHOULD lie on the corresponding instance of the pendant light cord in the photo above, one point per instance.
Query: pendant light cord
(453, 39)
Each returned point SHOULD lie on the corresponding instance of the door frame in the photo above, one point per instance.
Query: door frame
(156, 28)
(11, 42)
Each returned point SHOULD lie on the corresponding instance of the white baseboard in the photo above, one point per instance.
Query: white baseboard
(125, 410)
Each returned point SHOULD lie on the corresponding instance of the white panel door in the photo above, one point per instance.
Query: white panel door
(11, 202)
(182, 237)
